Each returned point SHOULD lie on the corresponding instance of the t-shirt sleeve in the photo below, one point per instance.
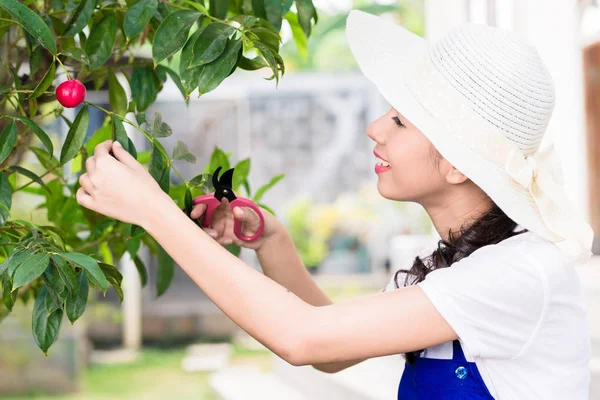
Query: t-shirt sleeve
(494, 299)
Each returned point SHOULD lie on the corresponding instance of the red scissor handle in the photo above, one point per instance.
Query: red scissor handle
(237, 225)
(212, 203)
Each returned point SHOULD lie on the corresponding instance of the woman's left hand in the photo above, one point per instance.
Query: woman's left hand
(119, 186)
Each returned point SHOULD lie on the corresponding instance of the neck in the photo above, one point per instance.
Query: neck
(451, 211)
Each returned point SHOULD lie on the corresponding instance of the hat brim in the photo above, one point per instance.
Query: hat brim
(384, 51)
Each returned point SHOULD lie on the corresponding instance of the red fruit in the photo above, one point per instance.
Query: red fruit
(70, 93)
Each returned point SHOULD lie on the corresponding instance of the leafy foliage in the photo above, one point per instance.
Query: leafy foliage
(57, 264)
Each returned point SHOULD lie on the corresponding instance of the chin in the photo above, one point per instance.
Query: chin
(385, 190)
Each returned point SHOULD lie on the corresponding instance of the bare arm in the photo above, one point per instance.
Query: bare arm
(280, 261)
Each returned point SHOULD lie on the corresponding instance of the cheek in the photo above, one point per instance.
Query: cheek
(413, 175)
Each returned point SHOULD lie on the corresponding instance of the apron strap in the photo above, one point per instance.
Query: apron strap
(457, 352)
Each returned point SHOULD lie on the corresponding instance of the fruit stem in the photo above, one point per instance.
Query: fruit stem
(63, 67)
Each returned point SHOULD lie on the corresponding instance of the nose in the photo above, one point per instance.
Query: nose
(376, 132)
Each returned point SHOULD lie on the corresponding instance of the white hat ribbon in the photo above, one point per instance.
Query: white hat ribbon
(525, 170)
(540, 175)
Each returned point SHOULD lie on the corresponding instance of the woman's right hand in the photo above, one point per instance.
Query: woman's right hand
(221, 228)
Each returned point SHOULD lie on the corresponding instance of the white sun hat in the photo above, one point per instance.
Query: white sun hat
(483, 97)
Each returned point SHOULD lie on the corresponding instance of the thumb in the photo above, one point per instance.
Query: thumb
(123, 155)
(244, 215)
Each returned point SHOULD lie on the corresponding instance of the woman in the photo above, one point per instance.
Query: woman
(495, 311)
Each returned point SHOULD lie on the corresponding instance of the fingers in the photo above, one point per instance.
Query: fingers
(90, 165)
(103, 148)
(83, 198)
(123, 155)
(198, 211)
(86, 183)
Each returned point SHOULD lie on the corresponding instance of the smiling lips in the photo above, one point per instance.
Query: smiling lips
(382, 164)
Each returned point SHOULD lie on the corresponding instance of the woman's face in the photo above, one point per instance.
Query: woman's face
(416, 169)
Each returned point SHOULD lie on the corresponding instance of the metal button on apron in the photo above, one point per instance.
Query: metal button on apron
(461, 372)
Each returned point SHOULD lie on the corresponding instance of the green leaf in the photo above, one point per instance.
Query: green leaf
(159, 169)
(164, 275)
(90, 265)
(133, 246)
(141, 270)
(76, 136)
(59, 26)
(117, 96)
(119, 133)
(8, 296)
(45, 82)
(77, 302)
(181, 152)
(80, 18)
(261, 191)
(131, 148)
(175, 79)
(172, 34)
(31, 22)
(218, 8)
(140, 118)
(17, 258)
(258, 6)
(77, 54)
(306, 12)
(187, 202)
(242, 169)
(270, 56)
(266, 208)
(198, 180)
(211, 43)
(6, 192)
(275, 10)
(159, 128)
(145, 85)
(214, 73)
(102, 40)
(138, 16)
(8, 138)
(43, 136)
(136, 231)
(33, 107)
(234, 249)
(252, 64)
(32, 268)
(56, 289)
(45, 327)
(300, 37)
(101, 134)
(47, 161)
(217, 159)
(187, 53)
(114, 277)
(66, 272)
(29, 174)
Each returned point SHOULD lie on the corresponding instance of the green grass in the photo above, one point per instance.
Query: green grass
(157, 374)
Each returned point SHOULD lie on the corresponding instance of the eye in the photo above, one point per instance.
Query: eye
(398, 122)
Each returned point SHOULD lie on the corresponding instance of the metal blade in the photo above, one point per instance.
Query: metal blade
(227, 178)
(215, 178)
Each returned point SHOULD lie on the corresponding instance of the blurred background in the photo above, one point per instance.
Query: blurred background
(312, 129)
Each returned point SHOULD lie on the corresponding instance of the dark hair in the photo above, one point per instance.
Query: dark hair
(491, 228)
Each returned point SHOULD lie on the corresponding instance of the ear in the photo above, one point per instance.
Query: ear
(453, 175)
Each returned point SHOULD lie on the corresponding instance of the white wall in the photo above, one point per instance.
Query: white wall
(553, 27)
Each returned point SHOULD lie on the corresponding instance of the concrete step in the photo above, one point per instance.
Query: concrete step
(249, 384)
(374, 379)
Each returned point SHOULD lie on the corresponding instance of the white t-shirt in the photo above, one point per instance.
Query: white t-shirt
(518, 310)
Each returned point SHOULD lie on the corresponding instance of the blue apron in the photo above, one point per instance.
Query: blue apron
(434, 379)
